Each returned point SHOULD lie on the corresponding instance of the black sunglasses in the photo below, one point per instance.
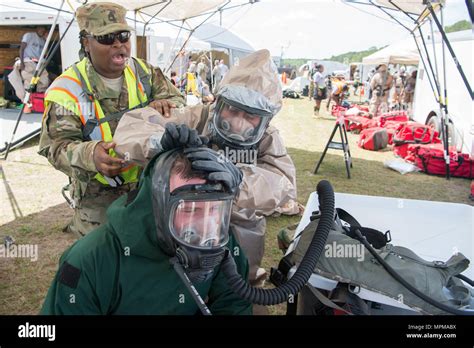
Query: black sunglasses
(109, 39)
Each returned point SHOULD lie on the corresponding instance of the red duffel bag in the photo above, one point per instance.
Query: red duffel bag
(374, 139)
(338, 110)
(413, 133)
(429, 158)
(399, 116)
(392, 127)
(358, 123)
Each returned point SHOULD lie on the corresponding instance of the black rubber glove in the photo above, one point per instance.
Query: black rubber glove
(180, 136)
(218, 167)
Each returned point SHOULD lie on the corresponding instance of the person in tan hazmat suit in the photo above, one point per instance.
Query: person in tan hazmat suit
(237, 125)
(380, 85)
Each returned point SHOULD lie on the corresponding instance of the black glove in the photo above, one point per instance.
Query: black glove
(218, 167)
(180, 136)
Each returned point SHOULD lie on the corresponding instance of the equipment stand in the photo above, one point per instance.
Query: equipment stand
(342, 145)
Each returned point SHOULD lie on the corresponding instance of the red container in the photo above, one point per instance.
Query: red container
(37, 102)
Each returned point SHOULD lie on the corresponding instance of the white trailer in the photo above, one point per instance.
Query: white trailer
(460, 105)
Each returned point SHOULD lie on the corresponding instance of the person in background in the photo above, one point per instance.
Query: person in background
(223, 68)
(311, 81)
(356, 81)
(31, 46)
(380, 85)
(320, 91)
(409, 90)
(174, 78)
(339, 87)
(202, 70)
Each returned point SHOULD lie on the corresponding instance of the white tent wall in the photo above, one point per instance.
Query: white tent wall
(221, 38)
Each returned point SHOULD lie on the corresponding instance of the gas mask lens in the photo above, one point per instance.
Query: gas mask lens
(201, 224)
(239, 126)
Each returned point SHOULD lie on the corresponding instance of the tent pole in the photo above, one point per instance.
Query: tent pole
(450, 49)
(212, 68)
(442, 105)
(470, 10)
(34, 80)
(446, 114)
(436, 83)
(424, 66)
(435, 55)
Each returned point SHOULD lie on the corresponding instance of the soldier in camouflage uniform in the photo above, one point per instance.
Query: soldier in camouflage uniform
(84, 105)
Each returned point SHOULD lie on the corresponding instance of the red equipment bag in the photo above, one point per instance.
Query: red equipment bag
(374, 139)
(360, 107)
(399, 116)
(356, 124)
(413, 133)
(429, 158)
(338, 110)
(392, 127)
(37, 102)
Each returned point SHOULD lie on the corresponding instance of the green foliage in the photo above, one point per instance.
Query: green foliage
(458, 26)
(294, 62)
(346, 58)
(354, 57)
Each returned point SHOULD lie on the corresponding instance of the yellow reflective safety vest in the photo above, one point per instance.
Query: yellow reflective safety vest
(72, 90)
(339, 86)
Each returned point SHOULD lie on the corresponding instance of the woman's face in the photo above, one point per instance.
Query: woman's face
(108, 60)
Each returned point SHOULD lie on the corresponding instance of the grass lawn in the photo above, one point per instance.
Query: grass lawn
(33, 210)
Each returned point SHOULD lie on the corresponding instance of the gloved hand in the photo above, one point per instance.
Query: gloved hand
(181, 135)
(218, 167)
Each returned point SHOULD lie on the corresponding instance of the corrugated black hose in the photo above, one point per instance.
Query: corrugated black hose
(267, 297)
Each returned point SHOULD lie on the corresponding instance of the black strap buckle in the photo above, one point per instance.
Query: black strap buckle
(89, 127)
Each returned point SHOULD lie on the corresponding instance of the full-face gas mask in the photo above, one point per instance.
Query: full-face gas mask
(240, 117)
(192, 220)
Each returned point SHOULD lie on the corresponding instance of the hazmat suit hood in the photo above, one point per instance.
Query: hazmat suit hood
(254, 82)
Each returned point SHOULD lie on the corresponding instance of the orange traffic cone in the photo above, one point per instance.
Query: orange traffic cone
(283, 78)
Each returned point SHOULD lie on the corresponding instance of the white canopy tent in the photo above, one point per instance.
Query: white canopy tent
(403, 52)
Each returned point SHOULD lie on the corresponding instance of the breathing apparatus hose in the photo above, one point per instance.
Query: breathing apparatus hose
(281, 293)
(407, 285)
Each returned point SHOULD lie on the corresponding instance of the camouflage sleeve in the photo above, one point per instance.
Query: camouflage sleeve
(162, 88)
(61, 142)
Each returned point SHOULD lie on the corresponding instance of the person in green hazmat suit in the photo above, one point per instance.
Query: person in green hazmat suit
(180, 211)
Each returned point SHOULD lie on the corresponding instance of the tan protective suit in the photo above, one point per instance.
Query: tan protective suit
(382, 82)
(269, 187)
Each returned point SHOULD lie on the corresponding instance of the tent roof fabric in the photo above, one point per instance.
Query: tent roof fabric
(402, 52)
(222, 37)
(176, 9)
(411, 6)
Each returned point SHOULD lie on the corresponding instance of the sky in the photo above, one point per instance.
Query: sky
(320, 28)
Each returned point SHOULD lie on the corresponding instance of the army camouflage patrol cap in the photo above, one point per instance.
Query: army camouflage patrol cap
(100, 18)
